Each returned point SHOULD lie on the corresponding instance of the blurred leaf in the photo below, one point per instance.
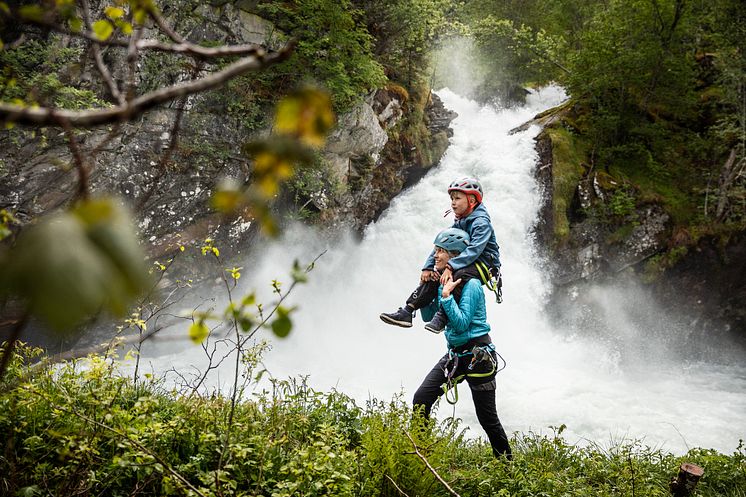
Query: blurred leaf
(72, 265)
(199, 331)
(298, 274)
(281, 326)
(227, 199)
(113, 12)
(103, 29)
(307, 115)
(248, 300)
(76, 24)
(109, 229)
(139, 15)
(31, 12)
(246, 322)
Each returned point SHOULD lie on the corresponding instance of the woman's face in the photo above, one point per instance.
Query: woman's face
(461, 203)
(441, 258)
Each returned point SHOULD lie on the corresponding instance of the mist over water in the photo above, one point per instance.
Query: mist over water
(604, 378)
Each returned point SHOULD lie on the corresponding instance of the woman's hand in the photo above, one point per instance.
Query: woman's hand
(448, 288)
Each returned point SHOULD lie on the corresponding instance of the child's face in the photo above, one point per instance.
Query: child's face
(441, 258)
(461, 203)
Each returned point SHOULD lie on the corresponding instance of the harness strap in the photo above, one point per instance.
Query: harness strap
(478, 353)
(493, 282)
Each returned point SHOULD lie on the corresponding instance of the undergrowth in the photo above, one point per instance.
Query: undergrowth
(82, 429)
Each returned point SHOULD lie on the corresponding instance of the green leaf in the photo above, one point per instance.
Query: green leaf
(246, 322)
(76, 24)
(281, 326)
(103, 29)
(199, 331)
(70, 266)
(248, 300)
(32, 12)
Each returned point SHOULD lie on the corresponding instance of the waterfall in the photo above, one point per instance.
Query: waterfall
(553, 376)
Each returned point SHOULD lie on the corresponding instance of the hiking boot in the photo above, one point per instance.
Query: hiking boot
(402, 317)
(438, 323)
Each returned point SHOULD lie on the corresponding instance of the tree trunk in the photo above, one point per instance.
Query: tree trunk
(684, 483)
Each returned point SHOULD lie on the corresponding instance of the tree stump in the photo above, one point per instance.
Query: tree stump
(684, 483)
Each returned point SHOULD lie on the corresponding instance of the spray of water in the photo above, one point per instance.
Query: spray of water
(554, 376)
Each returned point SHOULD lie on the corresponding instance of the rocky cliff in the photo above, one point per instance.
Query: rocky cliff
(595, 232)
(367, 160)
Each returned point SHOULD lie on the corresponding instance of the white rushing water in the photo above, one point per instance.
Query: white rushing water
(553, 376)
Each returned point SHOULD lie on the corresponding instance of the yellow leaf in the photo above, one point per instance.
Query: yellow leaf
(306, 115)
(227, 201)
(102, 29)
(139, 15)
(113, 12)
(198, 332)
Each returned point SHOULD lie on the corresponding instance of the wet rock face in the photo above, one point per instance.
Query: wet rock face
(169, 191)
(704, 288)
(710, 279)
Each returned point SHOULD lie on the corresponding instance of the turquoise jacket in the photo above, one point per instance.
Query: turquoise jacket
(465, 321)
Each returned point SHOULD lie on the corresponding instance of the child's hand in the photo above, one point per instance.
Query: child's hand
(448, 287)
(428, 275)
(446, 276)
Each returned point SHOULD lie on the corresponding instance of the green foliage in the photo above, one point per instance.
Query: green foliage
(405, 32)
(333, 49)
(31, 73)
(81, 426)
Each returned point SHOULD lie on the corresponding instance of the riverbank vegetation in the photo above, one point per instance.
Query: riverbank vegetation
(81, 429)
(657, 90)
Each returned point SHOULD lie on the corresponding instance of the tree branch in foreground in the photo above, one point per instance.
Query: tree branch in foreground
(432, 470)
(45, 116)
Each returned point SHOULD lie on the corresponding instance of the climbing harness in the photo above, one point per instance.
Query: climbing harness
(478, 353)
(492, 281)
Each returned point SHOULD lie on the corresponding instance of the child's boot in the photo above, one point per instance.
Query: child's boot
(438, 323)
(402, 317)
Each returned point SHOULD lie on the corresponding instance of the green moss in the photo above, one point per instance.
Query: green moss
(568, 155)
(620, 234)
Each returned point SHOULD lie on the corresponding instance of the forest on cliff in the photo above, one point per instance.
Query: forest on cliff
(656, 115)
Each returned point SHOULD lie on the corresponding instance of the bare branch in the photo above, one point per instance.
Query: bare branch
(184, 47)
(161, 22)
(396, 486)
(100, 65)
(78, 159)
(432, 470)
(45, 116)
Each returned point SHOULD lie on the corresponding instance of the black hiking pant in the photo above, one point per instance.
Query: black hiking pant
(482, 393)
(427, 291)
